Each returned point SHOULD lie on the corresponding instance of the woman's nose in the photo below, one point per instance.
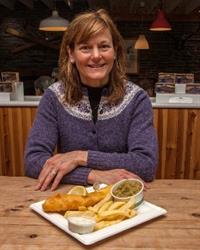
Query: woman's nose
(96, 53)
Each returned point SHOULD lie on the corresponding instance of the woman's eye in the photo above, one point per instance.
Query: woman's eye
(84, 49)
(105, 47)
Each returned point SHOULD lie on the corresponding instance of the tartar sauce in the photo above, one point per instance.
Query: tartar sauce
(81, 225)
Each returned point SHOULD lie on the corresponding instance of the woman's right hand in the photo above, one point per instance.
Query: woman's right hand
(59, 165)
(110, 176)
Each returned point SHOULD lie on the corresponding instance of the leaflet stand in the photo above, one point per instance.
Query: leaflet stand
(179, 96)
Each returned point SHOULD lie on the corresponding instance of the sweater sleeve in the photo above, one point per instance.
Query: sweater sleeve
(141, 156)
(43, 139)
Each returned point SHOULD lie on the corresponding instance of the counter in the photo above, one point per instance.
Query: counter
(177, 127)
(33, 101)
(29, 101)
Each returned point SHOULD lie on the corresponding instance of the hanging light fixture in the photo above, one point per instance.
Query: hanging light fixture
(160, 23)
(141, 42)
(54, 23)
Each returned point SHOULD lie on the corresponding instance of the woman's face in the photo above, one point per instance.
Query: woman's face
(94, 59)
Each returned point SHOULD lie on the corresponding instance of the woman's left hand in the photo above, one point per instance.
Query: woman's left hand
(111, 176)
(59, 165)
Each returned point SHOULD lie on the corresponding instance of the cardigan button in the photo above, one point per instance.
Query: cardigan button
(94, 132)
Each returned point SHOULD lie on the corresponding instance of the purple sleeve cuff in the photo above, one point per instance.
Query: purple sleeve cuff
(143, 166)
(78, 176)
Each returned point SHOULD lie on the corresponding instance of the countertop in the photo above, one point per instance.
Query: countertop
(33, 101)
(21, 228)
(29, 101)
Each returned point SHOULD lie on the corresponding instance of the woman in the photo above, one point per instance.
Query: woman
(101, 124)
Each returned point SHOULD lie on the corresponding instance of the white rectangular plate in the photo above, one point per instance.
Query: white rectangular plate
(145, 212)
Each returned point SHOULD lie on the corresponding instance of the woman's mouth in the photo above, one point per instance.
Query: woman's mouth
(94, 66)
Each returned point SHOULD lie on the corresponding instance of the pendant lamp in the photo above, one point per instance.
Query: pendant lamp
(141, 42)
(160, 23)
(54, 23)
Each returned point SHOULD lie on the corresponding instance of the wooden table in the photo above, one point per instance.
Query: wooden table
(21, 228)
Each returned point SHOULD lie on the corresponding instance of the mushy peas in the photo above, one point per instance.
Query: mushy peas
(127, 188)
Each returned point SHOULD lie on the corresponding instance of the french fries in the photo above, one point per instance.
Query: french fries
(107, 211)
(104, 223)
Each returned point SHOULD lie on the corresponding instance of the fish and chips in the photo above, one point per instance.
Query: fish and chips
(98, 205)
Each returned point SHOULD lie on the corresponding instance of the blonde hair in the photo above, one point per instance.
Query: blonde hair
(80, 30)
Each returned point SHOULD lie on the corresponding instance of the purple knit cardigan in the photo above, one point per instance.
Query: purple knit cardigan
(122, 137)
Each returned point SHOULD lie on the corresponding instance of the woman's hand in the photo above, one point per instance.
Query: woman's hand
(59, 165)
(110, 176)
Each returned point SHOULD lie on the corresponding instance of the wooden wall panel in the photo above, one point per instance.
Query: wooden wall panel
(178, 132)
(2, 143)
(16, 124)
(4, 153)
(193, 144)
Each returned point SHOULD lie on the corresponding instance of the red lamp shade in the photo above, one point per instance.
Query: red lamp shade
(160, 23)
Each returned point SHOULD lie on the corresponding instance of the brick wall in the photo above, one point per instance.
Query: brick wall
(175, 51)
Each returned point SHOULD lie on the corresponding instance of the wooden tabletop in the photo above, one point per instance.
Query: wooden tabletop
(21, 228)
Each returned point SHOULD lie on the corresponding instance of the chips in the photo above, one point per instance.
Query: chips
(107, 211)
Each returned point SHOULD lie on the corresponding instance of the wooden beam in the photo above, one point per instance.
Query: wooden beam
(27, 3)
(94, 4)
(127, 17)
(29, 45)
(49, 3)
(151, 5)
(22, 48)
(8, 4)
(113, 5)
(119, 5)
(192, 5)
(170, 6)
(132, 7)
(39, 41)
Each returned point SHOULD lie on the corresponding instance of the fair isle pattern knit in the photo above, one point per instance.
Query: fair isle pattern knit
(83, 110)
(123, 136)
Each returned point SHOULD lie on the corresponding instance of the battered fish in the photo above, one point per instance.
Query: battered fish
(65, 202)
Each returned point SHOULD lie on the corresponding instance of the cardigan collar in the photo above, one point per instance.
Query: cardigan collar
(103, 90)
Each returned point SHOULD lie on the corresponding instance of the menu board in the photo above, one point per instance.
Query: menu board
(168, 82)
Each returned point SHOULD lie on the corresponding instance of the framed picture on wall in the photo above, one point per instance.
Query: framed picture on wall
(10, 76)
(131, 57)
(6, 86)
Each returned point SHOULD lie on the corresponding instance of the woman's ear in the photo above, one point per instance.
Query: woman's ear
(71, 57)
(72, 60)
(115, 54)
